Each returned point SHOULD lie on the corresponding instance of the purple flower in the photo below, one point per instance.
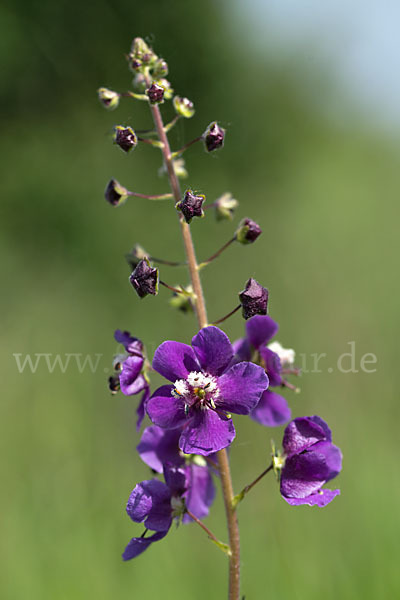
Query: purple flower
(253, 299)
(158, 447)
(272, 410)
(206, 388)
(311, 460)
(129, 368)
(155, 503)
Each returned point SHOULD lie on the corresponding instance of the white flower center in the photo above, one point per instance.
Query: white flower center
(198, 389)
(286, 355)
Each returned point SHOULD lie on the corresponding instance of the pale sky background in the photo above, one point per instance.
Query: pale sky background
(357, 40)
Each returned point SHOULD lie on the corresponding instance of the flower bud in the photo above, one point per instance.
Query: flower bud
(183, 302)
(168, 91)
(125, 138)
(144, 279)
(248, 231)
(213, 137)
(179, 168)
(254, 299)
(155, 93)
(184, 107)
(141, 52)
(137, 254)
(108, 98)
(160, 69)
(191, 205)
(113, 384)
(115, 193)
(225, 206)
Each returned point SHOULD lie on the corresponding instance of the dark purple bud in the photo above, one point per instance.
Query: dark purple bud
(191, 205)
(248, 231)
(113, 384)
(213, 137)
(108, 98)
(115, 193)
(145, 279)
(184, 107)
(155, 93)
(254, 299)
(125, 138)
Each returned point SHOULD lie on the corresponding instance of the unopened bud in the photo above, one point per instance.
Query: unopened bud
(225, 206)
(125, 138)
(155, 93)
(191, 205)
(108, 98)
(160, 69)
(213, 137)
(168, 91)
(113, 384)
(184, 107)
(179, 168)
(254, 299)
(248, 231)
(144, 279)
(115, 193)
(183, 302)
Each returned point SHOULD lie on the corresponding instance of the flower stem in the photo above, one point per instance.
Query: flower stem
(239, 497)
(224, 547)
(222, 319)
(200, 307)
(216, 254)
(185, 147)
(167, 196)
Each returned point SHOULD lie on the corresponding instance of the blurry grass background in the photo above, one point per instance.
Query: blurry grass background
(326, 194)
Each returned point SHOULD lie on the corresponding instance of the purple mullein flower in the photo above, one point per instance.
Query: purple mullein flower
(158, 447)
(310, 461)
(156, 504)
(272, 410)
(129, 368)
(206, 388)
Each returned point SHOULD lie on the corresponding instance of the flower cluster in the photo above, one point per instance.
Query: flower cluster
(210, 380)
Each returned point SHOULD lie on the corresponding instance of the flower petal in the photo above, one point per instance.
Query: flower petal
(260, 329)
(206, 433)
(213, 350)
(272, 365)
(150, 501)
(175, 360)
(303, 432)
(131, 344)
(138, 545)
(175, 478)
(165, 410)
(242, 350)
(130, 379)
(320, 498)
(200, 491)
(141, 409)
(272, 410)
(158, 446)
(241, 388)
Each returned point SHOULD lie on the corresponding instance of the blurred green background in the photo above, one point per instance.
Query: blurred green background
(326, 194)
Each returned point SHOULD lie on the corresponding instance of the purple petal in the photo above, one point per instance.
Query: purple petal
(260, 329)
(141, 409)
(175, 478)
(130, 380)
(303, 432)
(131, 344)
(242, 350)
(207, 432)
(138, 545)
(241, 388)
(213, 350)
(200, 493)
(272, 410)
(320, 498)
(165, 410)
(305, 473)
(175, 360)
(158, 446)
(272, 365)
(150, 501)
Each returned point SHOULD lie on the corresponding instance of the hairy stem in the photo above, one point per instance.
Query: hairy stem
(200, 307)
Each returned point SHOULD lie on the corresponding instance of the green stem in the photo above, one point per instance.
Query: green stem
(239, 497)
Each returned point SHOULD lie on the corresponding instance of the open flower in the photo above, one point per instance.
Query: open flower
(155, 503)
(129, 370)
(205, 390)
(272, 410)
(311, 460)
(159, 447)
